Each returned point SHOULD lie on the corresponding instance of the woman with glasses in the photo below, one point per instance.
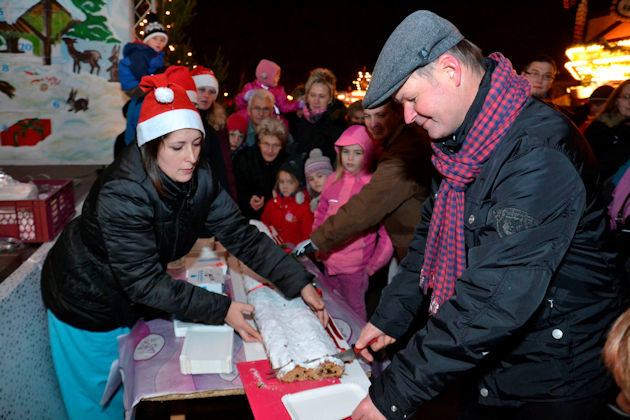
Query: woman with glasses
(609, 133)
(256, 168)
(323, 118)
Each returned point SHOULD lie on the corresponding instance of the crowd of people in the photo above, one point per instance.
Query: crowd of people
(455, 169)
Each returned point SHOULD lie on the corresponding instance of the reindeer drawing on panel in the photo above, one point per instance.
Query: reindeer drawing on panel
(88, 56)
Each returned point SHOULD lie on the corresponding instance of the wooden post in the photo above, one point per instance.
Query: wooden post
(47, 31)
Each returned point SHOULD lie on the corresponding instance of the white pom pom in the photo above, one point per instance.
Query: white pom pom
(164, 95)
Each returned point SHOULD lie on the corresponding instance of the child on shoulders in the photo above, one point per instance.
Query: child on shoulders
(267, 77)
(141, 59)
(349, 265)
(289, 211)
(316, 169)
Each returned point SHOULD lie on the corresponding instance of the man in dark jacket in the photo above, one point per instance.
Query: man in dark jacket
(509, 249)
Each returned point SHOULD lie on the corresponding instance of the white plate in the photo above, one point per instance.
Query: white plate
(333, 402)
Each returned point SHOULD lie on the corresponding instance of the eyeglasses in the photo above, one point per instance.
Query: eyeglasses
(261, 109)
(271, 146)
(547, 77)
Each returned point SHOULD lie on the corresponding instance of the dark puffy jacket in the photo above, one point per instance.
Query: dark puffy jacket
(254, 176)
(531, 311)
(108, 267)
(321, 134)
(609, 136)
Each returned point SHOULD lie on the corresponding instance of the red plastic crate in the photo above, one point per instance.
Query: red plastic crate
(39, 220)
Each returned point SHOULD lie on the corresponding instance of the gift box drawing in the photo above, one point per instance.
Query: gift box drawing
(26, 132)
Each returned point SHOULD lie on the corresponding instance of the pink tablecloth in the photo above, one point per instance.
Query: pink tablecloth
(149, 354)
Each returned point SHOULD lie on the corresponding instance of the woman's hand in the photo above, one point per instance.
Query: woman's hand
(369, 333)
(236, 320)
(316, 303)
(256, 202)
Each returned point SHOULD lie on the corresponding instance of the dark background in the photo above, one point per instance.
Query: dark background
(346, 36)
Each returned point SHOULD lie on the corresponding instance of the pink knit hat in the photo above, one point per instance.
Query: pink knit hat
(266, 72)
(180, 75)
(166, 108)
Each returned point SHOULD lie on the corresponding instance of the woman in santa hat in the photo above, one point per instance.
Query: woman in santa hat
(108, 268)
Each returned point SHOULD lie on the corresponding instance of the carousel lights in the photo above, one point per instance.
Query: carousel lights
(597, 63)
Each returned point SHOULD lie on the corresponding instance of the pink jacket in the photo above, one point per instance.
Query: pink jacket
(369, 250)
(282, 103)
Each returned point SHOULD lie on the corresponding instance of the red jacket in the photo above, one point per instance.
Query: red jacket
(293, 221)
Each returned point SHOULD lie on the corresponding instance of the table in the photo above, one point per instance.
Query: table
(149, 354)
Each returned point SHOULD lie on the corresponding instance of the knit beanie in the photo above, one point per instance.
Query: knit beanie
(203, 77)
(293, 165)
(601, 94)
(266, 72)
(237, 122)
(166, 108)
(317, 163)
(180, 76)
(153, 28)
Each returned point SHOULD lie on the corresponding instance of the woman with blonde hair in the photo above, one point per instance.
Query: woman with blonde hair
(323, 118)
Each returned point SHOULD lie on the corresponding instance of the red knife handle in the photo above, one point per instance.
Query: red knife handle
(357, 350)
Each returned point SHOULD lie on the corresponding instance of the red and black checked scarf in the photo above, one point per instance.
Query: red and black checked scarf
(445, 251)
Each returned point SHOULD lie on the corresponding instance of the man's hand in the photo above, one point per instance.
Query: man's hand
(236, 320)
(305, 247)
(366, 410)
(369, 333)
(256, 202)
(316, 303)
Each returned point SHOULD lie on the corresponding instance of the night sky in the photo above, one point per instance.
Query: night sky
(346, 36)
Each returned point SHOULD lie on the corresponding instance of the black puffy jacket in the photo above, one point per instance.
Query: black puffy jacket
(531, 311)
(107, 269)
(321, 134)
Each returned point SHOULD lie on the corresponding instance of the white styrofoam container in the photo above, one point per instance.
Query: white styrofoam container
(207, 350)
(331, 402)
(181, 328)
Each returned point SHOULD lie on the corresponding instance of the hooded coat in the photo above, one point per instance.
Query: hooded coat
(369, 250)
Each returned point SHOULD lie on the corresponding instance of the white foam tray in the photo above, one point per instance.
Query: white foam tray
(207, 351)
(340, 402)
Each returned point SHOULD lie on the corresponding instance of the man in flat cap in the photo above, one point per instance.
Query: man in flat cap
(509, 249)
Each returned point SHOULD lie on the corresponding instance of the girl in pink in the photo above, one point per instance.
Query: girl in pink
(349, 265)
(267, 77)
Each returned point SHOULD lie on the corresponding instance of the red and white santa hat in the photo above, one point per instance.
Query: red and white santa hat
(180, 75)
(203, 76)
(166, 108)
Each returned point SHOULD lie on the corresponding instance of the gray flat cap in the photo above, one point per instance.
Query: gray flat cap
(419, 39)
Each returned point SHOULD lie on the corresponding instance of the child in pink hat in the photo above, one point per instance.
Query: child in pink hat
(267, 77)
(348, 266)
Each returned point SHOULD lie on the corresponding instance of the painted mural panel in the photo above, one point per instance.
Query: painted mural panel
(60, 99)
